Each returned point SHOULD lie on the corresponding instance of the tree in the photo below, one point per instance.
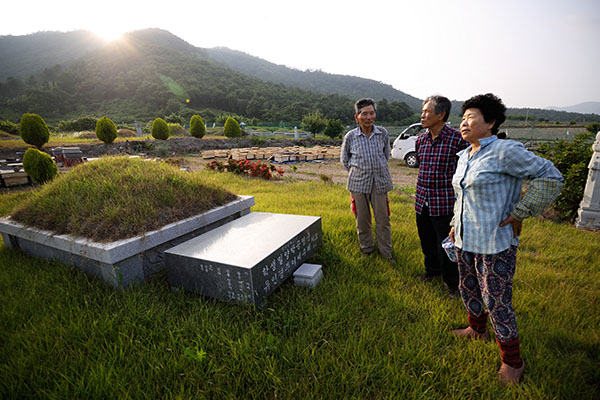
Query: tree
(160, 129)
(197, 127)
(232, 128)
(106, 130)
(33, 130)
(334, 128)
(314, 122)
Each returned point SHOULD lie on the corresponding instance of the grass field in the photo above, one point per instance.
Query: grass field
(369, 330)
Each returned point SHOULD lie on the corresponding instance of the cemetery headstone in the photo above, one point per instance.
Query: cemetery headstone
(138, 129)
(588, 215)
(246, 259)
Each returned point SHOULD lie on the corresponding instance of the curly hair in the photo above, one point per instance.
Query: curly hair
(490, 106)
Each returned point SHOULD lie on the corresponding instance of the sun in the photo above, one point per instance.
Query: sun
(108, 34)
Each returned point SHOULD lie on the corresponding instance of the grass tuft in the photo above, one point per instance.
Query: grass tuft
(118, 197)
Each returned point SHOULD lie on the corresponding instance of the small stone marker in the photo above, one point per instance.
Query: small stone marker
(246, 259)
(308, 275)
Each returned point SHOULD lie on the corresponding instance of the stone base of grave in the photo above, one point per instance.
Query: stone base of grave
(244, 260)
(308, 275)
(124, 262)
(588, 219)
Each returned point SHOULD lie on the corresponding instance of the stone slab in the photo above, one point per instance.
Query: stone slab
(244, 260)
(123, 262)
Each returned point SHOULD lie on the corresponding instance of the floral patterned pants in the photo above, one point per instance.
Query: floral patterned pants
(486, 279)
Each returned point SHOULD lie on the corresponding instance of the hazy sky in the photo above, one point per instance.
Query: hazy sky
(533, 53)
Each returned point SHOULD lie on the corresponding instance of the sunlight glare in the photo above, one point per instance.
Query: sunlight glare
(109, 35)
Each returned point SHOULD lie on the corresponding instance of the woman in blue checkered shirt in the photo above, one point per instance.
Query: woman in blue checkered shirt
(488, 215)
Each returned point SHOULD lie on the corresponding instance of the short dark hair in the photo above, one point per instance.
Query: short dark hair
(442, 104)
(490, 106)
(362, 103)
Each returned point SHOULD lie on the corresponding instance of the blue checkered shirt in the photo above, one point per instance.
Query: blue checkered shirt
(488, 190)
(366, 159)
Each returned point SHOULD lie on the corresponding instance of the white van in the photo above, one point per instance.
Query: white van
(404, 145)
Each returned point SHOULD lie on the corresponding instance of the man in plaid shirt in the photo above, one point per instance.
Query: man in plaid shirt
(436, 150)
(365, 154)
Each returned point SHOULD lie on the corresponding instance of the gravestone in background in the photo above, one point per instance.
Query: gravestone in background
(588, 215)
(138, 129)
(244, 260)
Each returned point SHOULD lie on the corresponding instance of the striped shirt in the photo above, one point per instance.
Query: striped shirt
(366, 159)
(488, 190)
(437, 163)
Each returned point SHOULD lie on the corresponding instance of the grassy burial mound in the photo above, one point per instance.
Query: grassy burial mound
(118, 197)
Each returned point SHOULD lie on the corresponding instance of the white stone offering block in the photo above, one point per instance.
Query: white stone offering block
(244, 260)
(308, 275)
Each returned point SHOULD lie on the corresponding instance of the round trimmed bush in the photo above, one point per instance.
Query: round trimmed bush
(160, 129)
(33, 130)
(197, 127)
(232, 128)
(39, 166)
(106, 130)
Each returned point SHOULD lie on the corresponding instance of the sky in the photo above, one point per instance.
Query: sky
(531, 53)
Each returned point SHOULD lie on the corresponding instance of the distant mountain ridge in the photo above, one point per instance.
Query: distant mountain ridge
(317, 81)
(588, 107)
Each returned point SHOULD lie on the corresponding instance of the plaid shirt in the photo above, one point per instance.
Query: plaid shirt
(437, 163)
(488, 190)
(366, 159)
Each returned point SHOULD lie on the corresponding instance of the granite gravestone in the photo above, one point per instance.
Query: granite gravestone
(588, 215)
(244, 260)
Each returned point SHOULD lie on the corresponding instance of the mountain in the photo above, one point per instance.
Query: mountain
(22, 56)
(588, 107)
(151, 73)
(317, 81)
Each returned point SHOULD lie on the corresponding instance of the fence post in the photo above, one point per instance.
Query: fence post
(588, 215)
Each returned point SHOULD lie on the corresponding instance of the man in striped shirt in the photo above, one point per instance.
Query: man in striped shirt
(436, 150)
(365, 154)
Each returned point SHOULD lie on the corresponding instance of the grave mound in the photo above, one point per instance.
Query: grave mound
(115, 198)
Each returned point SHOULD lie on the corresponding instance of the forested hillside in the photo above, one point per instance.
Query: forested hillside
(151, 73)
(22, 56)
(317, 81)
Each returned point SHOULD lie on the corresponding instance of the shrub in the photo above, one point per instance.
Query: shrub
(571, 159)
(9, 127)
(175, 129)
(232, 128)
(106, 130)
(174, 119)
(39, 166)
(160, 129)
(77, 125)
(197, 127)
(259, 169)
(594, 127)
(33, 130)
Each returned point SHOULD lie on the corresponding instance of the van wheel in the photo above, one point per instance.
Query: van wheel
(411, 160)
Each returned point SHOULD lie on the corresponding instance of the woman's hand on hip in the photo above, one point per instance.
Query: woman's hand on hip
(516, 225)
